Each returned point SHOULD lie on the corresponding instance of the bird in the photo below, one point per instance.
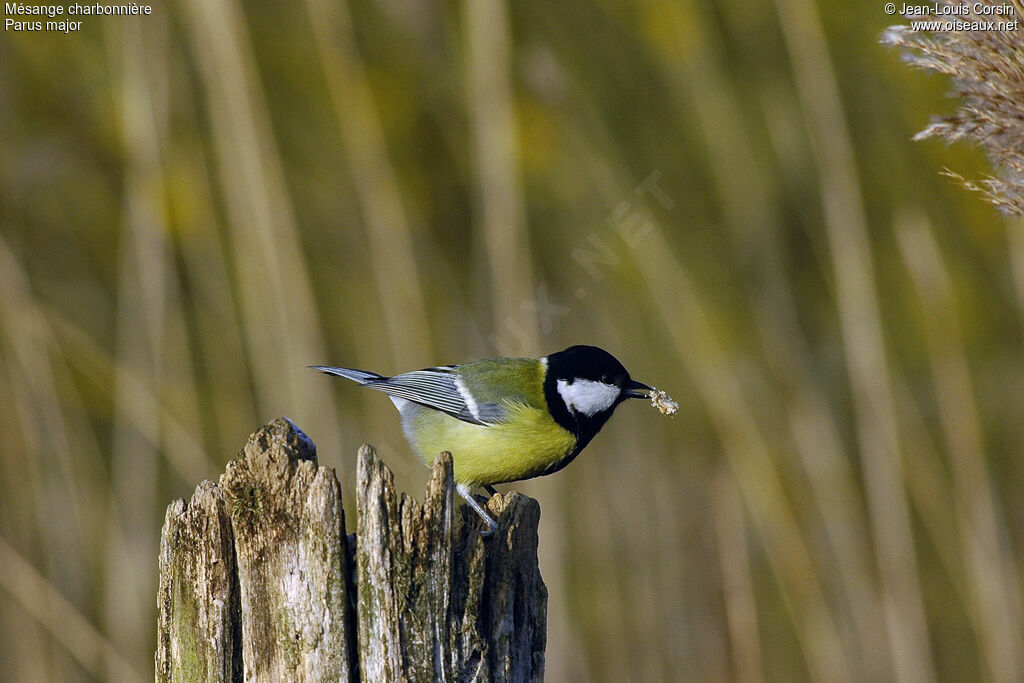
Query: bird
(505, 419)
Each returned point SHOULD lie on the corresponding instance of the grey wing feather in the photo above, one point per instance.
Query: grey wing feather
(361, 376)
(490, 413)
(434, 387)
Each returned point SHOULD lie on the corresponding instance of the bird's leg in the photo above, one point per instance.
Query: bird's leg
(490, 489)
(492, 526)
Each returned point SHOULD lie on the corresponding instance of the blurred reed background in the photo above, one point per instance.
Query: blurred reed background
(196, 205)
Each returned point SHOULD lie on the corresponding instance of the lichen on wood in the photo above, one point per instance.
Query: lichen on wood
(199, 629)
(258, 580)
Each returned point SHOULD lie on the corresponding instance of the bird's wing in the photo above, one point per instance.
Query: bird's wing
(478, 393)
(441, 389)
(361, 376)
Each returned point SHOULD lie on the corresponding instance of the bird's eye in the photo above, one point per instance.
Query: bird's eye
(606, 378)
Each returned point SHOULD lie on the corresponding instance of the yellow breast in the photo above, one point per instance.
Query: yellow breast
(528, 444)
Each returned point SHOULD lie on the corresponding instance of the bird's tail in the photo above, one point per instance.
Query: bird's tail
(361, 376)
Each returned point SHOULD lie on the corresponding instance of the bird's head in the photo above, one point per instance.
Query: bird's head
(583, 386)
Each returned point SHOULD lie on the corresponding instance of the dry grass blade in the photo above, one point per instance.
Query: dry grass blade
(863, 340)
(1015, 237)
(60, 618)
(185, 454)
(500, 205)
(749, 456)
(51, 466)
(274, 290)
(143, 283)
(995, 601)
(737, 582)
(395, 270)
(697, 346)
(743, 178)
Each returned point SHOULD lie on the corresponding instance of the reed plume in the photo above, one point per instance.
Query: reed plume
(987, 72)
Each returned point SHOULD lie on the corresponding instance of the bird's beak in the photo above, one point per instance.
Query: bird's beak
(636, 389)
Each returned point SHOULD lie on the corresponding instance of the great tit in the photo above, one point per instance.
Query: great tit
(505, 419)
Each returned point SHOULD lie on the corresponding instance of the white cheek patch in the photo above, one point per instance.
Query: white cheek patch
(587, 396)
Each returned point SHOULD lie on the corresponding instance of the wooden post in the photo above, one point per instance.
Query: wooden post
(258, 580)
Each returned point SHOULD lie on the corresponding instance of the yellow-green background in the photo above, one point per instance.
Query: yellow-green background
(197, 204)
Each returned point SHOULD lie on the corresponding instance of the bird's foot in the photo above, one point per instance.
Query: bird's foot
(492, 526)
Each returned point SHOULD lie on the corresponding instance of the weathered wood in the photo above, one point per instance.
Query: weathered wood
(290, 545)
(436, 600)
(257, 577)
(199, 632)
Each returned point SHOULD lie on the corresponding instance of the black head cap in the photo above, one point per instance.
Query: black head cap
(587, 362)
